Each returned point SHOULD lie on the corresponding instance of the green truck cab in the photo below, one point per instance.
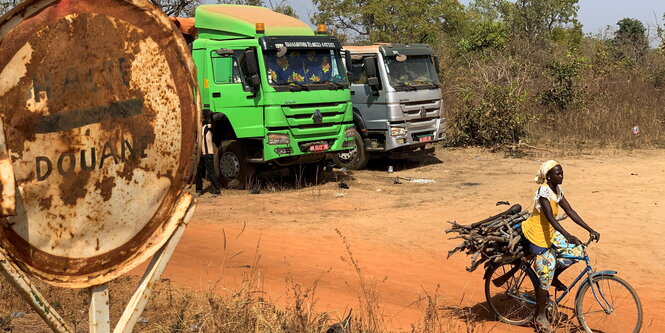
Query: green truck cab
(277, 92)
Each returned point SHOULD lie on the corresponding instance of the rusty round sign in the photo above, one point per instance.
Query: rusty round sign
(99, 105)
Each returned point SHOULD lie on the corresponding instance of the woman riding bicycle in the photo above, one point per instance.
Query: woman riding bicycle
(548, 239)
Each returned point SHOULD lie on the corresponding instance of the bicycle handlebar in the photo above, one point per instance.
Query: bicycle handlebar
(588, 242)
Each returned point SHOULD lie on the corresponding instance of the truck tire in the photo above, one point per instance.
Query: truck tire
(354, 159)
(231, 166)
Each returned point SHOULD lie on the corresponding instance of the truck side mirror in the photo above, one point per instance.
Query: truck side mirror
(436, 64)
(370, 69)
(251, 64)
(347, 61)
(250, 68)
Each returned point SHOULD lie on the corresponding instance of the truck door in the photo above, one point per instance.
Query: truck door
(230, 94)
(371, 104)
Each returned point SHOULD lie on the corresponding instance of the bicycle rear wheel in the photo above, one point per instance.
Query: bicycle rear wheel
(622, 311)
(510, 292)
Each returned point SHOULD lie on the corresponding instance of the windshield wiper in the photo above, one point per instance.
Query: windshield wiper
(428, 86)
(300, 86)
(405, 87)
(415, 86)
(334, 84)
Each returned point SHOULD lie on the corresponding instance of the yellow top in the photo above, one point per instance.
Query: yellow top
(537, 229)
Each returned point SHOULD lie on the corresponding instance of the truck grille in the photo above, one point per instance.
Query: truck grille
(421, 110)
(307, 120)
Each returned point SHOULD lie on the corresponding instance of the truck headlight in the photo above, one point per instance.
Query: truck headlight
(350, 132)
(397, 131)
(278, 139)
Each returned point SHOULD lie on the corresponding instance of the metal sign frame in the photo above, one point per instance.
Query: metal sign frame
(98, 296)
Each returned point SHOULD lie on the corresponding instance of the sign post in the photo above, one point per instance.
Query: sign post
(99, 321)
(21, 282)
(98, 313)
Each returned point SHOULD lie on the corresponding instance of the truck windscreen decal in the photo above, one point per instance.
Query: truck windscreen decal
(304, 67)
(302, 45)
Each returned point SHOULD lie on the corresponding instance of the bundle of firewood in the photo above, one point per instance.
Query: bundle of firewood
(492, 240)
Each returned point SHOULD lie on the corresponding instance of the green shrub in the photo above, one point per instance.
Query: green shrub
(495, 117)
(482, 35)
(563, 92)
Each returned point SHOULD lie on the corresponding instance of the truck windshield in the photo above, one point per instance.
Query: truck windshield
(416, 71)
(308, 69)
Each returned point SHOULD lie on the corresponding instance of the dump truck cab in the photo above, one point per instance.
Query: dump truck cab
(397, 101)
(277, 92)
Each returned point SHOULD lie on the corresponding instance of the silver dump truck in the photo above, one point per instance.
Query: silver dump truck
(397, 106)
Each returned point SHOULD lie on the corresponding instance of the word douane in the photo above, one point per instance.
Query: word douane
(89, 160)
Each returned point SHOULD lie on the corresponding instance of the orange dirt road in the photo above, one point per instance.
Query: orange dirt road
(395, 232)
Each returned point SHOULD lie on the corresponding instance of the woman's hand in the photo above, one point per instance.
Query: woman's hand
(594, 235)
(572, 239)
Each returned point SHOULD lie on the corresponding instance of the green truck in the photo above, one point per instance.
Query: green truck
(277, 91)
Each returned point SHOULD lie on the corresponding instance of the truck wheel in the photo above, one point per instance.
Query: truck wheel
(231, 167)
(354, 159)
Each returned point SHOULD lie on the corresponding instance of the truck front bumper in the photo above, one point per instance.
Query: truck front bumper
(414, 137)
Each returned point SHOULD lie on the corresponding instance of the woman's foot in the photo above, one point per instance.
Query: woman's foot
(559, 285)
(543, 325)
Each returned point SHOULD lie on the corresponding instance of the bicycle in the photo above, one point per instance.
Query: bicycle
(603, 303)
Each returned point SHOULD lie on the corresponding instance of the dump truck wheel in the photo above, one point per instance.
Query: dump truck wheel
(354, 159)
(231, 166)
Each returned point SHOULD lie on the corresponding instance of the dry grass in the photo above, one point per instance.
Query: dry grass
(244, 309)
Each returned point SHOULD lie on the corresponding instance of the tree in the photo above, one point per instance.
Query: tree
(537, 18)
(389, 20)
(286, 9)
(170, 7)
(631, 32)
(483, 28)
(177, 7)
(7, 5)
(660, 30)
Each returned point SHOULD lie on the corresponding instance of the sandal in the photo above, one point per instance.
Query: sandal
(540, 328)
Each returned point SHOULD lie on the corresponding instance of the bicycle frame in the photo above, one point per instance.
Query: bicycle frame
(588, 271)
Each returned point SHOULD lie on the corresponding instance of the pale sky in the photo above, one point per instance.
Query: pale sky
(595, 15)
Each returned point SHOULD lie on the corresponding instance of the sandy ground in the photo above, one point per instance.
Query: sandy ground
(395, 232)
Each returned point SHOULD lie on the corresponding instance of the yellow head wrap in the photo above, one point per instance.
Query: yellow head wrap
(544, 168)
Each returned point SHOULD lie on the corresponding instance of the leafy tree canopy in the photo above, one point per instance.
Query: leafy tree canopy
(631, 32)
(661, 35)
(389, 20)
(180, 8)
(536, 18)
(7, 5)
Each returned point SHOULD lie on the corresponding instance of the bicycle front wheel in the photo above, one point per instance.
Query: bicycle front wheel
(615, 306)
(510, 292)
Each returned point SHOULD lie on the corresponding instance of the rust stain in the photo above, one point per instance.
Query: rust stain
(73, 187)
(45, 203)
(105, 187)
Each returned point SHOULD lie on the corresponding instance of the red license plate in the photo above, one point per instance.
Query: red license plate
(425, 138)
(319, 147)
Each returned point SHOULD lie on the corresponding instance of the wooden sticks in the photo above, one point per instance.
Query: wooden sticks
(496, 239)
